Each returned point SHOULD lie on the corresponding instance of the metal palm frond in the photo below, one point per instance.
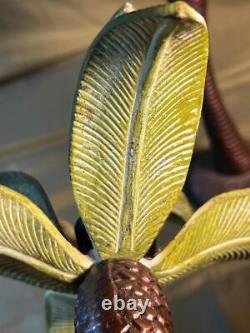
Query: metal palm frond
(32, 249)
(60, 312)
(134, 124)
(218, 231)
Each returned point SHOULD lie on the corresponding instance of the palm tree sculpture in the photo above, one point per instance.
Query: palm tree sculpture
(133, 130)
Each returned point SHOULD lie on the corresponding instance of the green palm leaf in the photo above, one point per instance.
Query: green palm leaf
(134, 124)
(60, 312)
(218, 231)
(32, 247)
(183, 207)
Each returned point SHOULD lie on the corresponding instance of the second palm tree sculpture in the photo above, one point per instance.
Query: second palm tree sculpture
(133, 130)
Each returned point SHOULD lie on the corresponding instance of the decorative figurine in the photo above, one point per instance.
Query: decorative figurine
(228, 166)
(134, 124)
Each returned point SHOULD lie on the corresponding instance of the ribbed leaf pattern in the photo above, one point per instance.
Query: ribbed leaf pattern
(27, 235)
(134, 125)
(60, 312)
(170, 110)
(183, 207)
(100, 131)
(22, 272)
(218, 231)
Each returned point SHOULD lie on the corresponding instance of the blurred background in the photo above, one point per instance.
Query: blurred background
(42, 44)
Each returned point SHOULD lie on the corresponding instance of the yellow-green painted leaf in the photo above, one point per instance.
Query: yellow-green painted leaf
(134, 124)
(20, 271)
(27, 236)
(183, 207)
(60, 312)
(218, 231)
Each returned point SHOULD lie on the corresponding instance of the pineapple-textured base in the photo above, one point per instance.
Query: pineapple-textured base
(126, 280)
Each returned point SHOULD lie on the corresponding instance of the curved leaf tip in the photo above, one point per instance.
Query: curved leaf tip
(184, 11)
(218, 231)
(31, 245)
(128, 7)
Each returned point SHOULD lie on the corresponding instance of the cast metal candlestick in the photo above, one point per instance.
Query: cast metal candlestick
(134, 123)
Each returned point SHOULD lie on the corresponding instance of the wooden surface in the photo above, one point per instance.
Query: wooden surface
(34, 122)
